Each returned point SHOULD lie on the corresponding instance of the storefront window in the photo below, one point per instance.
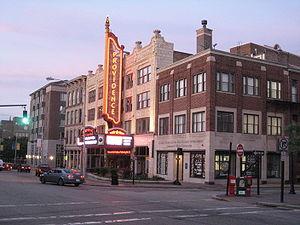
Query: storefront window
(162, 163)
(222, 163)
(248, 165)
(273, 165)
(197, 168)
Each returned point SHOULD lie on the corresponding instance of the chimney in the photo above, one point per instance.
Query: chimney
(204, 37)
(90, 72)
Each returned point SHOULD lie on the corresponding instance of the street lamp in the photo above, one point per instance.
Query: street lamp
(178, 154)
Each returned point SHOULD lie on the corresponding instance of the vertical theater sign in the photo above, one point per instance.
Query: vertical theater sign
(117, 142)
(113, 68)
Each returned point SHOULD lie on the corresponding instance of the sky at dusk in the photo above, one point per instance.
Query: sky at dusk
(65, 38)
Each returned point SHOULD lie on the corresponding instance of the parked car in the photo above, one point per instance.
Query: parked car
(1, 164)
(24, 168)
(62, 176)
(42, 168)
(8, 166)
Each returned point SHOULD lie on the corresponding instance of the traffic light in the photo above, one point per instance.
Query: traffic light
(25, 119)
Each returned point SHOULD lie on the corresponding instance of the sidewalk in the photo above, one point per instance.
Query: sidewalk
(95, 180)
(269, 193)
(269, 197)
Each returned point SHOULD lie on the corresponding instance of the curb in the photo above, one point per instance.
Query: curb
(220, 198)
(278, 205)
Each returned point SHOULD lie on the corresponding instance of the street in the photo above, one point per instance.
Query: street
(24, 200)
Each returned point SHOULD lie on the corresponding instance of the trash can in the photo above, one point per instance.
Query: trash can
(231, 188)
(248, 185)
(114, 179)
(241, 186)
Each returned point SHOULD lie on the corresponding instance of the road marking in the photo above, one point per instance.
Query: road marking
(248, 212)
(123, 213)
(50, 204)
(190, 216)
(162, 210)
(127, 220)
(229, 208)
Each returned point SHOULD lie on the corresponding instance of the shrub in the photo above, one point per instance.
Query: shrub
(103, 171)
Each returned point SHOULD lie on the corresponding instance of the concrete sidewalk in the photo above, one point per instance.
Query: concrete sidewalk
(269, 197)
(95, 180)
(269, 193)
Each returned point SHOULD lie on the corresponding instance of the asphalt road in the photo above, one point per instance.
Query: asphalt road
(24, 200)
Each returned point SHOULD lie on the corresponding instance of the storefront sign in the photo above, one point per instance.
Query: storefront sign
(117, 138)
(113, 68)
(89, 136)
(118, 152)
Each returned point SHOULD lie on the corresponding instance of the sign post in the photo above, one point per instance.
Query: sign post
(229, 168)
(282, 147)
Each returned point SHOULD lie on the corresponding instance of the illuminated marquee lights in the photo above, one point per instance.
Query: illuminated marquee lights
(119, 152)
(113, 68)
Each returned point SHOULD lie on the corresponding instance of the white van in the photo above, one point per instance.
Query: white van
(1, 164)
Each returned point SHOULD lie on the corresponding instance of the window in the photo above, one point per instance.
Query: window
(197, 168)
(71, 119)
(101, 129)
(199, 83)
(68, 119)
(67, 137)
(128, 104)
(274, 125)
(143, 100)
(100, 92)
(274, 89)
(221, 164)
(99, 112)
(127, 126)
(80, 116)
(180, 88)
(294, 91)
(78, 96)
(179, 124)
(250, 86)
(164, 92)
(70, 98)
(142, 125)
(91, 114)
(144, 75)
(71, 137)
(164, 126)
(162, 163)
(251, 124)
(92, 96)
(273, 165)
(225, 82)
(75, 116)
(198, 122)
(225, 122)
(248, 165)
(74, 98)
(128, 81)
(63, 97)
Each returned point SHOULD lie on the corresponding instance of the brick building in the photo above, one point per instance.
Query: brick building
(47, 120)
(205, 101)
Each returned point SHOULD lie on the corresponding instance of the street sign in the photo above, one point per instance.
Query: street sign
(240, 150)
(259, 153)
(283, 144)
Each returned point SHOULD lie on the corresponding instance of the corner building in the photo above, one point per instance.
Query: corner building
(205, 101)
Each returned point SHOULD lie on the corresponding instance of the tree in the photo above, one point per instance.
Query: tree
(293, 131)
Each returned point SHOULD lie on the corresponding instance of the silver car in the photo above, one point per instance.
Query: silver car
(62, 176)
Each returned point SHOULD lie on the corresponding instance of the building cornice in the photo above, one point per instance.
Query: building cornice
(223, 53)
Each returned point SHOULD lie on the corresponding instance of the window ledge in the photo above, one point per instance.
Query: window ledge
(225, 92)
